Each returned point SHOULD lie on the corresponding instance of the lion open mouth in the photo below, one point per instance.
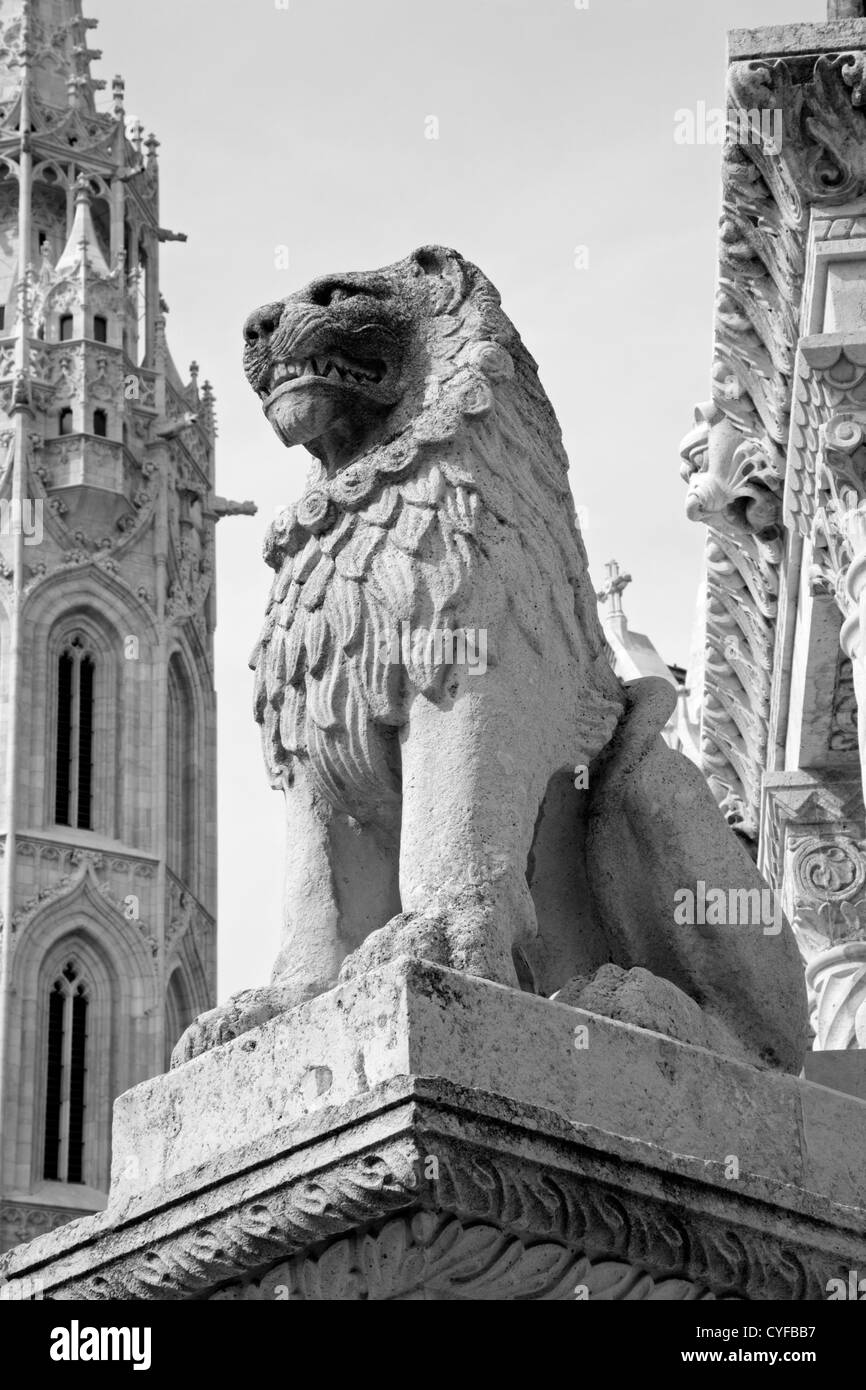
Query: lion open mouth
(333, 366)
(328, 368)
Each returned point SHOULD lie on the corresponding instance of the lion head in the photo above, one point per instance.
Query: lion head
(365, 368)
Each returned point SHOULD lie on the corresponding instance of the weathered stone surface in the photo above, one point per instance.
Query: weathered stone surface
(796, 38)
(636, 996)
(838, 1070)
(519, 819)
(476, 1135)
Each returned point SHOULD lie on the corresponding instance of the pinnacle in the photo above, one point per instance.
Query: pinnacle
(56, 34)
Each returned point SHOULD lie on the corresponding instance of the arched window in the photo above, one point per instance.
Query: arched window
(143, 281)
(67, 324)
(182, 776)
(74, 773)
(65, 423)
(100, 423)
(66, 1079)
(179, 1013)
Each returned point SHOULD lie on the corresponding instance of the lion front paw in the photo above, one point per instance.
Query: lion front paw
(460, 939)
(208, 1031)
(248, 1010)
(422, 938)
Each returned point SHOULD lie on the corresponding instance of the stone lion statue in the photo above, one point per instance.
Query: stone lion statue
(516, 817)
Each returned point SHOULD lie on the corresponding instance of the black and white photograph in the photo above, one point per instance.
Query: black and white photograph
(432, 672)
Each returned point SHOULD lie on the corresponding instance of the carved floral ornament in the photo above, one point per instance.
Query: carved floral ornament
(473, 1261)
(734, 487)
(828, 869)
(491, 1226)
(819, 926)
(827, 428)
(742, 588)
(820, 100)
(829, 921)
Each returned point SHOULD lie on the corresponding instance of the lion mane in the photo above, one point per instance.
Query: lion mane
(405, 534)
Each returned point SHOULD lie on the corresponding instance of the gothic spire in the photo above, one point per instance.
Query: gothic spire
(59, 55)
(83, 239)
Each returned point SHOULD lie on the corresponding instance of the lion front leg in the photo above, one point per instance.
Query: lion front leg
(340, 884)
(471, 792)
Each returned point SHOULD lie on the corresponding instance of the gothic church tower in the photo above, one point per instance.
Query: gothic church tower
(107, 706)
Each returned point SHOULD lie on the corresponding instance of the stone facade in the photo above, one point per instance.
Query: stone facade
(776, 470)
(107, 787)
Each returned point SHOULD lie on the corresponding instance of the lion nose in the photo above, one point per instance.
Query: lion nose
(333, 288)
(262, 323)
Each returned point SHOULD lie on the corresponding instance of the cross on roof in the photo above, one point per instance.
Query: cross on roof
(613, 589)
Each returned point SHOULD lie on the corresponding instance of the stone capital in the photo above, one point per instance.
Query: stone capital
(813, 849)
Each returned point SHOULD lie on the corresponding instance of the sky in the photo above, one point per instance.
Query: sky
(295, 143)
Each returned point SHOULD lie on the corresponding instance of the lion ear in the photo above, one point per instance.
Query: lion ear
(446, 275)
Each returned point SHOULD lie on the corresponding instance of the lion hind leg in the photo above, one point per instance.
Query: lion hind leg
(647, 1001)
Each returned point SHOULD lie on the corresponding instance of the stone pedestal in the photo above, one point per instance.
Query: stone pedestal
(422, 1135)
(840, 1069)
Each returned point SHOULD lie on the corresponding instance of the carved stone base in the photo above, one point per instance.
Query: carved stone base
(840, 1070)
(21, 1221)
(417, 1134)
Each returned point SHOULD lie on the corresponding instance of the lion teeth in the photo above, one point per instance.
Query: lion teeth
(335, 366)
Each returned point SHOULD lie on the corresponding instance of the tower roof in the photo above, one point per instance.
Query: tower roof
(83, 240)
(59, 55)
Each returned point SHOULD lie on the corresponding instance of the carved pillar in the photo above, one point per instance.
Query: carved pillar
(825, 502)
(815, 856)
(839, 531)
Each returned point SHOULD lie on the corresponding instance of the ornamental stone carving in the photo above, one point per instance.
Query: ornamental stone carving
(429, 1256)
(815, 854)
